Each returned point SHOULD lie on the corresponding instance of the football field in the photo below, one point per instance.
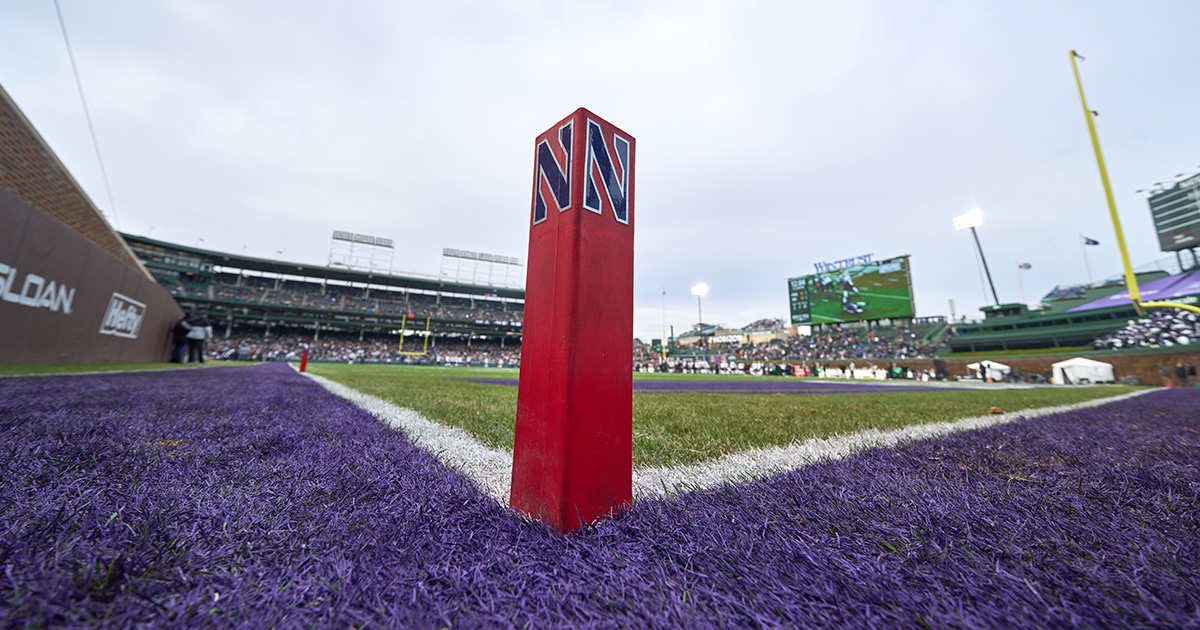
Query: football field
(883, 296)
(251, 496)
(682, 419)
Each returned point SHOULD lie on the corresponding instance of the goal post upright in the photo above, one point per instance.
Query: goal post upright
(403, 329)
(573, 448)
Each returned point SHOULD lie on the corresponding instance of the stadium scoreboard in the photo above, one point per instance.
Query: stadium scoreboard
(1176, 214)
(880, 289)
(798, 299)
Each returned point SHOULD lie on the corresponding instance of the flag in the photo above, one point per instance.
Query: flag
(1024, 266)
(1088, 241)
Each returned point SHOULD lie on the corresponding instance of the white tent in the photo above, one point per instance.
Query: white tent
(1081, 370)
(995, 371)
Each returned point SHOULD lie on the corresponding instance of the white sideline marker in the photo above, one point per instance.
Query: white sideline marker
(758, 463)
(491, 468)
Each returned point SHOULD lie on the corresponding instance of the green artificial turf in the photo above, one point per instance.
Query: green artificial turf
(679, 428)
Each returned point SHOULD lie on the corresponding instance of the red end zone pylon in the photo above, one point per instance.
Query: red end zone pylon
(573, 452)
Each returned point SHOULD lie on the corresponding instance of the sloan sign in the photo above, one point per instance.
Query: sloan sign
(35, 291)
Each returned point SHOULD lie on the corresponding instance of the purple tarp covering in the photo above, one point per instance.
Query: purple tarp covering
(251, 497)
(1165, 288)
(730, 386)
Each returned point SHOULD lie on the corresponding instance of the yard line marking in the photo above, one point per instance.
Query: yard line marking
(491, 468)
(884, 295)
(757, 463)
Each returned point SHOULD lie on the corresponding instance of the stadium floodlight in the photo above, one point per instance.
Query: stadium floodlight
(970, 221)
(699, 290)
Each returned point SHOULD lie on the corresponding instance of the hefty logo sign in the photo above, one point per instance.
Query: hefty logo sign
(124, 317)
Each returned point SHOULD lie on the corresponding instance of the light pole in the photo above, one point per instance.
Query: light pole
(700, 290)
(663, 345)
(972, 220)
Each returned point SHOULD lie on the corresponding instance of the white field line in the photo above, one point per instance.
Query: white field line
(758, 463)
(491, 468)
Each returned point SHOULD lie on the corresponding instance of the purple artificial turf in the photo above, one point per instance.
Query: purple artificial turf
(733, 386)
(251, 497)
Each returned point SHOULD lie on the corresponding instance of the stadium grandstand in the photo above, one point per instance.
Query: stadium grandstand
(271, 310)
(266, 309)
(766, 346)
(1070, 317)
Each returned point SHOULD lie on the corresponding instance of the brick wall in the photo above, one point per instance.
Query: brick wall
(31, 171)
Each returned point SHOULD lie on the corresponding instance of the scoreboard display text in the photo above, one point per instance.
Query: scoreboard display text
(1176, 214)
(877, 290)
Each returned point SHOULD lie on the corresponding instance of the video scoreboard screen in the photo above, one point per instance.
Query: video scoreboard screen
(880, 289)
(1176, 214)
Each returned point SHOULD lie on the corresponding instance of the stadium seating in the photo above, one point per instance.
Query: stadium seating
(346, 348)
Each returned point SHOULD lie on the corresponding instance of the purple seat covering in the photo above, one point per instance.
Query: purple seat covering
(250, 497)
(1165, 288)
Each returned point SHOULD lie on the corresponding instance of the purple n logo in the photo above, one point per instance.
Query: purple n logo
(555, 173)
(613, 174)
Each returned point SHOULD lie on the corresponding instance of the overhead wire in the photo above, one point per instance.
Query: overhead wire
(88, 115)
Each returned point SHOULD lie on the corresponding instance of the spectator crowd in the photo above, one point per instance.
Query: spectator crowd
(1159, 328)
(353, 299)
(442, 351)
(769, 358)
(845, 346)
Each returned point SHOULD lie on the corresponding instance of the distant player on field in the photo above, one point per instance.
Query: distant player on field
(850, 297)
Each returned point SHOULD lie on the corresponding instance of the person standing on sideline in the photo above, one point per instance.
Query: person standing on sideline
(199, 329)
(1181, 372)
(179, 341)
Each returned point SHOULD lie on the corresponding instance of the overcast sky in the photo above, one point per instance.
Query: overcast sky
(770, 135)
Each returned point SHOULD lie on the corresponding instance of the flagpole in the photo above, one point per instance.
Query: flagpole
(1086, 265)
(1021, 283)
(663, 345)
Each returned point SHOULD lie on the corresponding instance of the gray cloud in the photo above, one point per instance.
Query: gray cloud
(770, 135)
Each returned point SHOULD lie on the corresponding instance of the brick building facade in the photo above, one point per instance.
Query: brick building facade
(31, 171)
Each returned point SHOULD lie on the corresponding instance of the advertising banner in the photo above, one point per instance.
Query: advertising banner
(63, 299)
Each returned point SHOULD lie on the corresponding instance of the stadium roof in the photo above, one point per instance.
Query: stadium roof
(322, 272)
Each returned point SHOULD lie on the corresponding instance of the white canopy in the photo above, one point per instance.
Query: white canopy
(1081, 370)
(994, 370)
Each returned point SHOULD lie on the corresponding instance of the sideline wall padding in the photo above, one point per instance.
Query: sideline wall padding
(63, 299)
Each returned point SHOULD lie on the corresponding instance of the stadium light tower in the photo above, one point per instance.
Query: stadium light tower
(700, 290)
(972, 220)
